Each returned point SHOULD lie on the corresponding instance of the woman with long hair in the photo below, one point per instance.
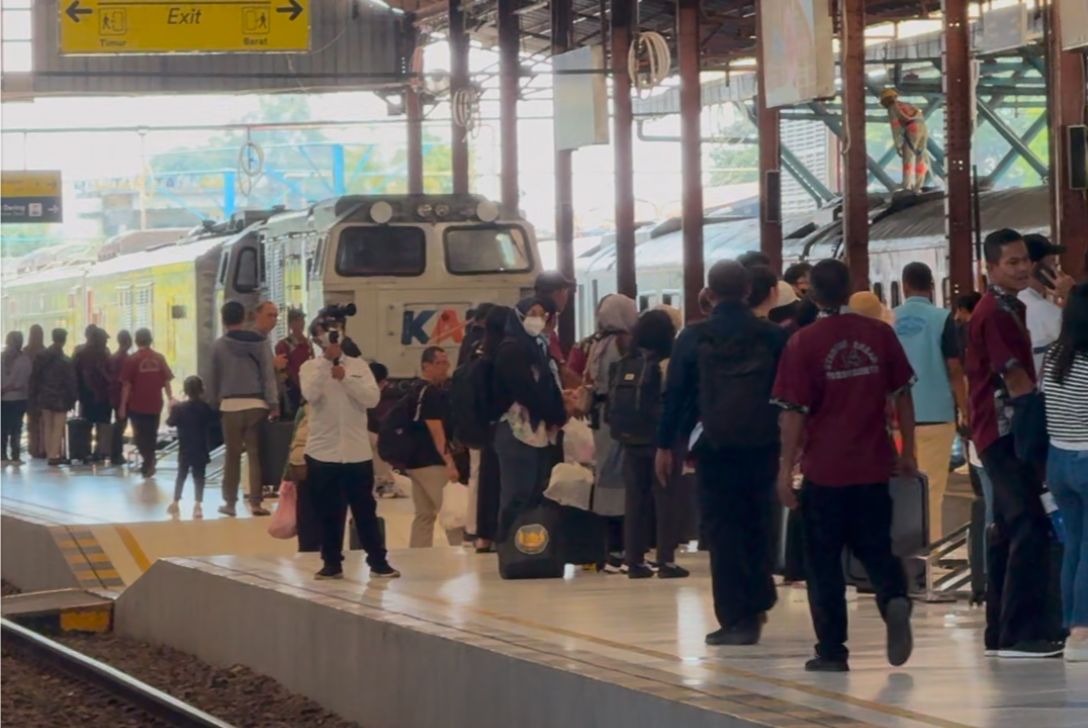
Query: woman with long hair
(35, 434)
(486, 470)
(16, 389)
(1065, 386)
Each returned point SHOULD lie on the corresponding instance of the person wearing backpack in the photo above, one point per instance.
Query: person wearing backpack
(720, 375)
(634, 411)
(834, 382)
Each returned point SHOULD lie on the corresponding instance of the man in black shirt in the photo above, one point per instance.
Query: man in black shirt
(433, 465)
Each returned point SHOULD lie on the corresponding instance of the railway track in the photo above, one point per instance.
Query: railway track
(153, 702)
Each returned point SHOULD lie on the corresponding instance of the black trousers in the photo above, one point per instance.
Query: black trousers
(737, 506)
(337, 487)
(145, 431)
(117, 447)
(185, 466)
(309, 521)
(858, 517)
(487, 495)
(11, 427)
(649, 509)
(1018, 550)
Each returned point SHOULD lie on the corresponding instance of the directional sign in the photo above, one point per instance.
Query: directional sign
(105, 27)
(30, 196)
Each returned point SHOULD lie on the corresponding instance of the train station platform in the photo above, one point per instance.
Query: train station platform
(101, 528)
(451, 644)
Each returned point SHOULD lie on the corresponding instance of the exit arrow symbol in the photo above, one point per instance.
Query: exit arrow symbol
(56, 208)
(74, 11)
(294, 8)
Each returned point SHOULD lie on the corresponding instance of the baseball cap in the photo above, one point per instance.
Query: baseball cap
(551, 281)
(1039, 247)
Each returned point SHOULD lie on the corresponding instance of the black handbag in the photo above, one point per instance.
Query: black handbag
(1029, 428)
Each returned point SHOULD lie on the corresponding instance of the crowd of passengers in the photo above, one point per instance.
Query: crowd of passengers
(796, 392)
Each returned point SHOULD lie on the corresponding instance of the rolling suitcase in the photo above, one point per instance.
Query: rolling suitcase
(79, 439)
(583, 536)
(532, 547)
(910, 531)
(275, 447)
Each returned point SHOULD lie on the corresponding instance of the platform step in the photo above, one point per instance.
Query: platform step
(67, 610)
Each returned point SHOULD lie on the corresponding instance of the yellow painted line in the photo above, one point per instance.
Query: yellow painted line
(133, 547)
(70, 543)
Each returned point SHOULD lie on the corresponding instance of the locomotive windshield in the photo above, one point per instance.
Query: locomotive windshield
(381, 251)
(475, 250)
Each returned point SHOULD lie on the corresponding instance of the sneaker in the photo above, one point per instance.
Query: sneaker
(198, 511)
(260, 511)
(672, 571)
(228, 510)
(614, 565)
(329, 572)
(737, 636)
(173, 509)
(822, 664)
(639, 571)
(900, 638)
(990, 652)
(1032, 649)
(1076, 651)
(384, 571)
(55, 462)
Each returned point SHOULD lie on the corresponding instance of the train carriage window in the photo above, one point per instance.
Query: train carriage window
(223, 264)
(381, 251)
(476, 250)
(247, 277)
(878, 289)
(896, 298)
(644, 302)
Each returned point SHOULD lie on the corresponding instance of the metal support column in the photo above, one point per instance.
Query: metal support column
(624, 13)
(1068, 207)
(413, 110)
(691, 153)
(957, 115)
(458, 40)
(770, 159)
(855, 172)
(509, 45)
(562, 41)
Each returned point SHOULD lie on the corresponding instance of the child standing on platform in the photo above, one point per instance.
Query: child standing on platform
(193, 418)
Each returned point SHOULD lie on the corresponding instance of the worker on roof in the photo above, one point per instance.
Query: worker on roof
(909, 134)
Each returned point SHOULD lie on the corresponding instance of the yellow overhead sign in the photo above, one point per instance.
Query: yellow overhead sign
(30, 196)
(29, 184)
(163, 26)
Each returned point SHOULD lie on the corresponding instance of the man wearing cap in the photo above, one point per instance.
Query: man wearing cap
(909, 135)
(1044, 296)
(556, 287)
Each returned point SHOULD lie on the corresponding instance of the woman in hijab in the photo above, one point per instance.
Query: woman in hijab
(35, 345)
(616, 317)
(530, 400)
(16, 388)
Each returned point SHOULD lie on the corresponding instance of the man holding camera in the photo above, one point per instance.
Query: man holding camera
(339, 389)
(243, 386)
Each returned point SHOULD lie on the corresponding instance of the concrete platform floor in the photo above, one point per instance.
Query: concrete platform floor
(646, 636)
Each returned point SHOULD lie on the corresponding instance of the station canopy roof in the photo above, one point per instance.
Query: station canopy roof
(728, 26)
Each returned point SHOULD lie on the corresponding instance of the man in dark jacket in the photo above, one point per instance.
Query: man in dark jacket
(736, 480)
(117, 365)
(53, 390)
(243, 386)
(92, 365)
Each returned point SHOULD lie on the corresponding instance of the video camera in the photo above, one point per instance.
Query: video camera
(332, 317)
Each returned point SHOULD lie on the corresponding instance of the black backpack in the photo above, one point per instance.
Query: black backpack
(736, 375)
(633, 409)
(403, 435)
(471, 403)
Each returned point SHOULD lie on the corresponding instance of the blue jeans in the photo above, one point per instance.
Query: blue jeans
(1067, 476)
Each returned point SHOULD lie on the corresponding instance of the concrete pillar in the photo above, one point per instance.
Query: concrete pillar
(691, 153)
(957, 145)
(509, 66)
(413, 110)
(623, 23)
(770, 156)
(562, 41)
(855, 171)
(458, 40)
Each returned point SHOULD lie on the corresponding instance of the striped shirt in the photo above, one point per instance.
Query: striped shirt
(1067, 403)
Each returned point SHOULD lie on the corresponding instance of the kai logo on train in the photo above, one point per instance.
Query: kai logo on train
(433, 326)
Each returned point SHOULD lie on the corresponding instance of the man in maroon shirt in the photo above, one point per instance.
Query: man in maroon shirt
(1000, 369)
(834, 381)
(295, 350)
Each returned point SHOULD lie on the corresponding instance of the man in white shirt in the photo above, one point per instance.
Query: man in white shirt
(1047, 287)
(339, 462)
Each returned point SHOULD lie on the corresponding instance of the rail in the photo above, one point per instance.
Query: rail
(150, 700)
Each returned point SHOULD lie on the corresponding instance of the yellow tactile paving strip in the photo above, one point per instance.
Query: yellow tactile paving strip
(743, 704)
(89, 562)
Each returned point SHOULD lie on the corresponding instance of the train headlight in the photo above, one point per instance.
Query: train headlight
(442, 210)
(487, 211)
(381, 212)
(424, 211)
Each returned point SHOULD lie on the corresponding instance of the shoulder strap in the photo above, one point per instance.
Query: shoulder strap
(419, 402)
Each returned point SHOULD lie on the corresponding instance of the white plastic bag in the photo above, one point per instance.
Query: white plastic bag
(578, 442)
(571, 485)
(454, 511)
(284, 521)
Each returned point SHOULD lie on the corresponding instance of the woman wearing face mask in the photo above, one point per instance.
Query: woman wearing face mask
(528, 393)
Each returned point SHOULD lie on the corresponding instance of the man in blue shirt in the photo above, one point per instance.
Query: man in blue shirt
(736, 475)
(928, 335)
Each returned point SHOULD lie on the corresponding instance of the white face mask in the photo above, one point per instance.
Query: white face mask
(534, 325)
